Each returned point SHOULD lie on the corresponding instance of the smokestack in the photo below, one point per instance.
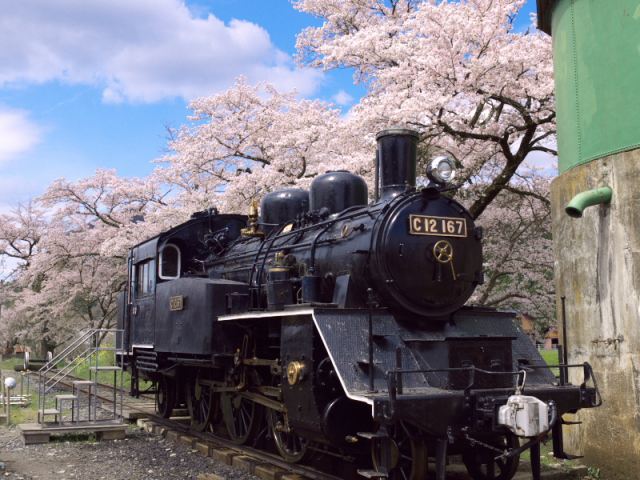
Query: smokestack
(396, 161)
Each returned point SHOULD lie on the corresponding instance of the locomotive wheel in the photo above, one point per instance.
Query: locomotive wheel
(291, 447)
(408, 454)
(202, 404)
(481, 464)
(242, 417)
(165, 396)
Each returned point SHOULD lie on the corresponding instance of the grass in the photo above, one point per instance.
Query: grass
(551, 358)
(83, 370)
(547, 460)
(9, 363)
(29, 413)
(105, 358)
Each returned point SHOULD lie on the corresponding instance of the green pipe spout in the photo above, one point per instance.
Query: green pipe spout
(597, 196)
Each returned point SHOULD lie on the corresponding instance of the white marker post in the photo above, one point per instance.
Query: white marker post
(9, 384)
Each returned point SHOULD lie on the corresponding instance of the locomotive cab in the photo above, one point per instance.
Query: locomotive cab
(164, 273)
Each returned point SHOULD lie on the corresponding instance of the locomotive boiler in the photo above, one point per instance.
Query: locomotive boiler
(324, 322)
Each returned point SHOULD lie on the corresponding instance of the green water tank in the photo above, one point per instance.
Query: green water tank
(596, 47)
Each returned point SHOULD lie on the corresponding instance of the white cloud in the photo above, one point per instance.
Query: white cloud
(18, 133)
(141, 51)
(544, 162)
(342, 98)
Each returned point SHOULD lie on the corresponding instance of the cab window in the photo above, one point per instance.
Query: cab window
(145, 278)
(169, 262)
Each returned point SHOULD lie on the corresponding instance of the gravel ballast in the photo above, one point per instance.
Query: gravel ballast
(140, 456)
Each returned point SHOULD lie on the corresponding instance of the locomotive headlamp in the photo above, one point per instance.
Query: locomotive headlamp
(441, 170)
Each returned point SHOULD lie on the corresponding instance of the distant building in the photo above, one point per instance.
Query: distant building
(551, 338)
(528, 325)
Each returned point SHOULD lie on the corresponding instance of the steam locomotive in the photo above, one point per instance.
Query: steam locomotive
(332, 323)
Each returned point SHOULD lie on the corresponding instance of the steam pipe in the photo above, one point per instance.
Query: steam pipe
(376, 195)
(597, 196)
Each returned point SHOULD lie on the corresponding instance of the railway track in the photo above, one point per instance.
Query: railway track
(269, 466)
(263, 464)
(257, 462)
(106, 388)
(132, 408)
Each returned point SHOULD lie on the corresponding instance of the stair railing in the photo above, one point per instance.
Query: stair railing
(85, 348)
(59, 374)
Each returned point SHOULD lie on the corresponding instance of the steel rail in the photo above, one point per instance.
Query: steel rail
(220, 442)
(261, 455)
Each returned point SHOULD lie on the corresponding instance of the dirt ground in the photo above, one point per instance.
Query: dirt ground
(140, 456)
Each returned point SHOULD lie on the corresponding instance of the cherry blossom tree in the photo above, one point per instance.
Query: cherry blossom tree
(517, 252)
(20, 232)
(476, 89)
(245, 142)
(242, 143)
(73, 262)
(457, 71)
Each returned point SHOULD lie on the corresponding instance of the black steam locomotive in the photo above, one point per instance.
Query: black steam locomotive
(330, 323)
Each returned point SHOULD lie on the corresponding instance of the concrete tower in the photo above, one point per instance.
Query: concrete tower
(596, 216)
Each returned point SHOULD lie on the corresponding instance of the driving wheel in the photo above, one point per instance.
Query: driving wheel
(291, 447)
(242, 417)
(481, 463)
(407, 454)
(165, 396)
(202, 404)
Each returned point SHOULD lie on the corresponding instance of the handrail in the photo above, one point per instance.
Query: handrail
(60, 374)
(87, 344)
(46, 385)
(395, 382)
(72, 346)
(71, 337)
(61, 355)
(85, 353)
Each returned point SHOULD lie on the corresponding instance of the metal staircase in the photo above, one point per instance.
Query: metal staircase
(70, 400)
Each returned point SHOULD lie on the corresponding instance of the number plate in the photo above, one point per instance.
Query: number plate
(176, 303)
(441, 226)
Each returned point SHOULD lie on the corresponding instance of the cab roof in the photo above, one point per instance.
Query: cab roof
(149, 248)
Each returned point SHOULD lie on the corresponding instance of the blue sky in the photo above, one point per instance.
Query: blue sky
(91, 84)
